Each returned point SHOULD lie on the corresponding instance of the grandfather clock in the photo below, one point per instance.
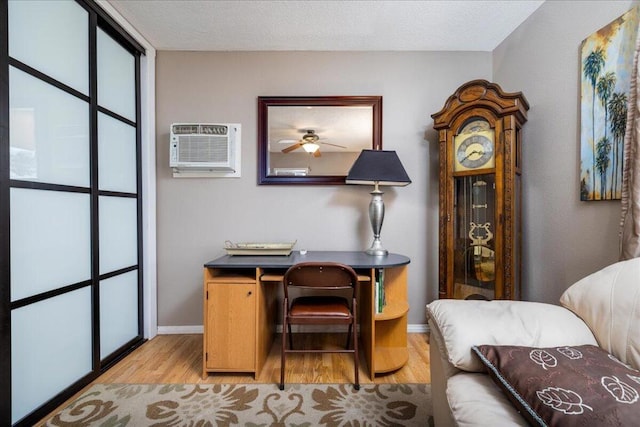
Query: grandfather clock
(480, 137)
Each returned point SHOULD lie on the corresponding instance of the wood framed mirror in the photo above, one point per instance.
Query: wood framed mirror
(315, 140)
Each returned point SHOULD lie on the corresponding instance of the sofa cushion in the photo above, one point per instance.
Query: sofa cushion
(568, 386)
(475, 400)
(464, 323)
(609, 302)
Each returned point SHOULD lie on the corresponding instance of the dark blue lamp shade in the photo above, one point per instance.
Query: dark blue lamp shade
(378, 167)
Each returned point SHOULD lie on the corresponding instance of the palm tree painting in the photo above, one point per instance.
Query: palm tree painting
(606, 59)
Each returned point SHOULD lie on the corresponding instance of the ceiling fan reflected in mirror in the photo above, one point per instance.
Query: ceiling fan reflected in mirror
(310, 142)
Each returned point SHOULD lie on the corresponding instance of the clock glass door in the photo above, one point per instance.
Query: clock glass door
(474, 243)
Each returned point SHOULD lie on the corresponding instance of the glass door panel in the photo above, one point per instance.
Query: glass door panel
(118, 233)
(51, 243)
(474, 228)
(50, 349)
(49, 133)
(52, 37)
(118, 311)
(116, 77)
(117, 169)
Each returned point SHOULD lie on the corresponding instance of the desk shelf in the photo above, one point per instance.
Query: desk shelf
(267, 277)
(393, 310)
(384, 335)
(271, 277)
(239, 275)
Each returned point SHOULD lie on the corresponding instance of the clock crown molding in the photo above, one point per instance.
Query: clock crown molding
(481, 93)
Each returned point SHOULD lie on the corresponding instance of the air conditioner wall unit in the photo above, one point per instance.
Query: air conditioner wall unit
(205, 147)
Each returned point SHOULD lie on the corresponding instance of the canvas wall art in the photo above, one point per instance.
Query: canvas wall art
(606, 65)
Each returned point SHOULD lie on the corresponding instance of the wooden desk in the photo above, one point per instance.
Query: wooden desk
(241, 310)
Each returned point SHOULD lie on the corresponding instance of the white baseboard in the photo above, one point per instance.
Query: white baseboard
(177, 330)
(198, 329)
(418, 328)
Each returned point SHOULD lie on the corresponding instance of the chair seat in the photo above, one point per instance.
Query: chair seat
(319, 307)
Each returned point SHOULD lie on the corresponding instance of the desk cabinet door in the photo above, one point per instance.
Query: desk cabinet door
(231, 314)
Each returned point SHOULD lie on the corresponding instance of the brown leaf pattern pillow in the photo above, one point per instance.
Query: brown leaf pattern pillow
(565, 386)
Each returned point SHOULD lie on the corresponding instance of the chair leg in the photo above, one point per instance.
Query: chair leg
(348, 337)
(356, 358)
(283, 359)
(290, 338)
(283, 350)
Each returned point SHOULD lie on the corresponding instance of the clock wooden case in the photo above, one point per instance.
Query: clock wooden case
(480, 137)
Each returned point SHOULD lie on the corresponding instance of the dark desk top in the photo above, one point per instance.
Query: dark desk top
(354, 259)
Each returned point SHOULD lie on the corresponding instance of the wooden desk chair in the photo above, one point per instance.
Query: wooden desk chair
(324, 307)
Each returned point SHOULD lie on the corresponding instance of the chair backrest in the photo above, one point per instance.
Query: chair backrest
(330, 276)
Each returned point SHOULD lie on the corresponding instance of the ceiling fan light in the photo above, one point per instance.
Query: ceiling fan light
(311, 147)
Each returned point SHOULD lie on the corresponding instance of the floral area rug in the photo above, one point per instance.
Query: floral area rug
(251, 405)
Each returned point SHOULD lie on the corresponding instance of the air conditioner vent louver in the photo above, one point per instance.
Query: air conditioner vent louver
(201, 148)
(184, 129)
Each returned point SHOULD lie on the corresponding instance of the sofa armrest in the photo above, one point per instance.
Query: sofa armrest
(464, 323)
(441, 370)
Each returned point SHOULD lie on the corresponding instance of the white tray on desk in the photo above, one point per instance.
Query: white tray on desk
(253, 248)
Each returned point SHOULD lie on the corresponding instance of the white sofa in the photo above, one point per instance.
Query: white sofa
(602, 309)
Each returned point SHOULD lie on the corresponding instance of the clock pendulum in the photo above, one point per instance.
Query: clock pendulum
(480, 234)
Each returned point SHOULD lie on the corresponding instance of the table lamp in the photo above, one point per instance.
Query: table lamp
(377, 167)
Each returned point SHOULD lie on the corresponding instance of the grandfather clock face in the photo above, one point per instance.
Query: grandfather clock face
(474, 218)
(474, 147)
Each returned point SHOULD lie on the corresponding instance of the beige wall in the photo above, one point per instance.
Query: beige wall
(196, 216)
(564, 239)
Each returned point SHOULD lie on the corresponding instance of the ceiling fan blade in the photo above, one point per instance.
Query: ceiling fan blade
(317, 153)
(335, 145)
(292, 147)
(288, 141)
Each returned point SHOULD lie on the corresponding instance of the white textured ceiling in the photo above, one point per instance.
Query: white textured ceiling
(253, 25)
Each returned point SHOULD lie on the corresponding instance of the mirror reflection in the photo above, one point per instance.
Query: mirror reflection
(315, 140)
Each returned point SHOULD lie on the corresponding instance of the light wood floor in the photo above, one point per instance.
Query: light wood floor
(178, 359)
